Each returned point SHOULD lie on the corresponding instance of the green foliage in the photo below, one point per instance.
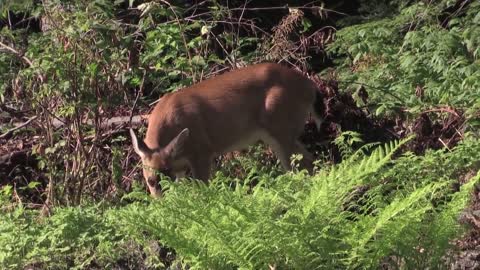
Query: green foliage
(366, 211)
(5, 194)
(295, 221)
(345, 142)
(71, 238)
(411, 60)
(256, 163)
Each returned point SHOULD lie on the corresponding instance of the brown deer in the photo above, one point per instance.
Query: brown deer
(264, 102)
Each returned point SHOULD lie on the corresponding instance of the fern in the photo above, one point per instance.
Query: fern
(365, 212)
(299, 222)
(411, 50)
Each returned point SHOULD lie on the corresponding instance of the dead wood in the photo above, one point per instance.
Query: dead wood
(9, 132)
(25, 157)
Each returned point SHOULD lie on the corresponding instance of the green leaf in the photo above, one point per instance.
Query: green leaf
(477, 18)
(307, 24)
(33, 184)
(198, 60)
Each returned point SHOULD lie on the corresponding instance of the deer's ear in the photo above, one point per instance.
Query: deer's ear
(177, 146)
(139, 146)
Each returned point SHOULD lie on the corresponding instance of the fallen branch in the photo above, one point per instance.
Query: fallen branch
(116, 121)
(443, 109)
(23, 57)
(117, 125)
(13, 111)
(17, 53)
(9, 132)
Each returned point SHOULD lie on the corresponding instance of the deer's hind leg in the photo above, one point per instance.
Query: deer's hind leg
(285, 143)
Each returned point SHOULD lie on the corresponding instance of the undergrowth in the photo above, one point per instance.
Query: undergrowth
(417, 58)
(365, 212)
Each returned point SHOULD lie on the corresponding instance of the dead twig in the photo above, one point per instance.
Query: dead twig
(17, 53)
(10, 131)
(444, 144)
(13, 111)
(136, 98)
(23, 57)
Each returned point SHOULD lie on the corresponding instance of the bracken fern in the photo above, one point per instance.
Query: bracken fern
(297, 221)
(365, 212)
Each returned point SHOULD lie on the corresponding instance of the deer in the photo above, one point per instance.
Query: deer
(188, 128)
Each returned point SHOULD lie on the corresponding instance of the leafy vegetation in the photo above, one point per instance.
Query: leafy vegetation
(366, 211)
(76, 64)
(417, 59)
